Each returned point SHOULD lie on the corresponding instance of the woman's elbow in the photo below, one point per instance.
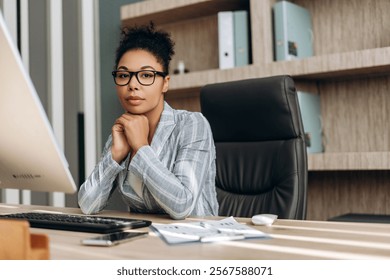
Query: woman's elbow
(176, 216)
(88, 209)
(180, 213)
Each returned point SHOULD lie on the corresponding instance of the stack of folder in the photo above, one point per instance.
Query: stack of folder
(233, 39)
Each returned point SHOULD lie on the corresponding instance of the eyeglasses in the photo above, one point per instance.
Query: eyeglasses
(144, 77)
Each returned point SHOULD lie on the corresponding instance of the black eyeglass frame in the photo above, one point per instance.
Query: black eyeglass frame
(162, 74)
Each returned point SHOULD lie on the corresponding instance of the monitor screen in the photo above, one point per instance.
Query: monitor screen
(29, 155)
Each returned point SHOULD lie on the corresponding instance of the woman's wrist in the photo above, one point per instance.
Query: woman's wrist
(118, 156)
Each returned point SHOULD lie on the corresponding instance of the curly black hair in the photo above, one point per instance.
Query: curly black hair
(146, 37)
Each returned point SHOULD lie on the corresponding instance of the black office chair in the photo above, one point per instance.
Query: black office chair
(261, 152)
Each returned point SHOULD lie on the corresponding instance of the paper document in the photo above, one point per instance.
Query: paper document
(206, 231)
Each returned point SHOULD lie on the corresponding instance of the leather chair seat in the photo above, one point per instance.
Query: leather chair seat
(260, 148)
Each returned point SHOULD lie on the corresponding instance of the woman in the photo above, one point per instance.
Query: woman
(162, 160)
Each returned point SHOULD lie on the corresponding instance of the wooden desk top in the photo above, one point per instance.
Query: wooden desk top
(291, 239)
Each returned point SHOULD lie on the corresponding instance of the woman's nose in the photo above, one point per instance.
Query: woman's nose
(133, 83)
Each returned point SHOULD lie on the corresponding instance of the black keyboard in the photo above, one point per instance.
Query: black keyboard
(84, 223)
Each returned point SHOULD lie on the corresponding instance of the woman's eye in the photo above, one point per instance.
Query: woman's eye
(122, 75)
(146, 75)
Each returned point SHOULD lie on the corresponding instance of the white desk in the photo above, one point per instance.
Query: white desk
(291, 239)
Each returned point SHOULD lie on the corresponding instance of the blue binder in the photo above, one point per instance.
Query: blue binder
(293, 31)
(241, 38)
(311, 117)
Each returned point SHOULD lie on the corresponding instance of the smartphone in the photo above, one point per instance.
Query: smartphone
(115, 238)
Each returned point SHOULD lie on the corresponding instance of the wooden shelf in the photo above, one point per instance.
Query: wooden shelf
(349, 161)
(339, 65)
(334, 66)
(169, 11)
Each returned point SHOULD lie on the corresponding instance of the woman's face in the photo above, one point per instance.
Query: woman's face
(135, 97)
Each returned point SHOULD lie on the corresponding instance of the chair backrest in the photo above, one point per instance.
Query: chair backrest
(260, 147)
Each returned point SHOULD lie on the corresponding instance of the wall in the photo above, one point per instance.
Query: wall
(72, 93)
(109, 31)
(38, 46)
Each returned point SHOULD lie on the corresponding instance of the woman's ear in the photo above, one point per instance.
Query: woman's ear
(166, 84)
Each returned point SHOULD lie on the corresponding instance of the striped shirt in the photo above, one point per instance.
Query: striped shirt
(173, 175)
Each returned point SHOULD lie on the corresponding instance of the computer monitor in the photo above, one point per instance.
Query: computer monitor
(29, 155)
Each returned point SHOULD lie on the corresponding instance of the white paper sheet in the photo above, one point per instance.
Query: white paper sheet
(206, 231)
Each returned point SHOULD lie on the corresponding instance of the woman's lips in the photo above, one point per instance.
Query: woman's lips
(134, 100)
